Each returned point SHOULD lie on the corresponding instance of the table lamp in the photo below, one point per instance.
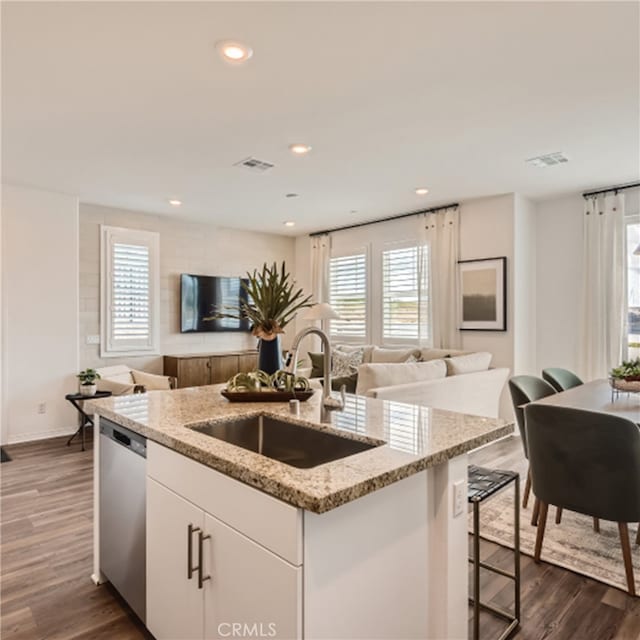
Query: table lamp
(322, 311)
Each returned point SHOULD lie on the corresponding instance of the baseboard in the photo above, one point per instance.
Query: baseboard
(40, 435)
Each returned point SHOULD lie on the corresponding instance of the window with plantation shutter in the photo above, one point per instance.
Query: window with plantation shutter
(348, 296)
(130, 292)
(404, 293)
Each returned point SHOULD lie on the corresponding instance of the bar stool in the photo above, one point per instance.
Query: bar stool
(484, 483)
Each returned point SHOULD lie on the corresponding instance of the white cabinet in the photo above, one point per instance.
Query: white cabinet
(204, 577)
(249, 586)
(175, 606)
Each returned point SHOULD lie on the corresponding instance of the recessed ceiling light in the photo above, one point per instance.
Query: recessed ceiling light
(289, 223)
(291, 195)
(175, 203)
(421, 191)
(353, 211)
(234, 51)
(299, 149)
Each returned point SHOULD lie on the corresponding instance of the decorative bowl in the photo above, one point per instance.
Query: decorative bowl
(267, 395)
(629, 386)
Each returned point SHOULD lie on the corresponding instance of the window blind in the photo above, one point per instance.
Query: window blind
(130, 301)
(130, 292)
(348, 295)
(404, 293)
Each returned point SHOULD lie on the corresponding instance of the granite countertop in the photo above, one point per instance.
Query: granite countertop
(415, 438)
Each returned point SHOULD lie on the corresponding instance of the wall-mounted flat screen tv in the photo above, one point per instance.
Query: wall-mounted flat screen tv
(203, 296)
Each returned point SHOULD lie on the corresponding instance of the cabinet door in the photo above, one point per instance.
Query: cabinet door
(247, 362)
(194, 372)
(250, 586)
(223, 368)
(174, 602)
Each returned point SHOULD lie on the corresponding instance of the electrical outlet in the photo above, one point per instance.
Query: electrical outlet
(93, 340)
(42, 407)
(459, 497)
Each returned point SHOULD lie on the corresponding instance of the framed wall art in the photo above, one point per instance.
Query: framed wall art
(483, 287)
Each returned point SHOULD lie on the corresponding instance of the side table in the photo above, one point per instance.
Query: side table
(84, 420)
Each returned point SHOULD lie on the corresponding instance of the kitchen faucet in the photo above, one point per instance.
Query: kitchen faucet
(292, 360)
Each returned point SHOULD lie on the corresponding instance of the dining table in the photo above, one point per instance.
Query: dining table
(597, 395)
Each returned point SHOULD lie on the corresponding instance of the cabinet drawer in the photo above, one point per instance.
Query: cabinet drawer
(266, 520)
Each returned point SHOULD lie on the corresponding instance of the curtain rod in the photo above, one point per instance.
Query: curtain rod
(453, 205)
(620, 187)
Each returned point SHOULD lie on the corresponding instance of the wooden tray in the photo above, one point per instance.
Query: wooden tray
(267, 396)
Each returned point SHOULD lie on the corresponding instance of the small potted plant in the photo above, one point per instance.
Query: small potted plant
(88, 379)
(626, 377)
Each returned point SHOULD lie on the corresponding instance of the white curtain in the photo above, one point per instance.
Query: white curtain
(440, 239)
(320, 256)
(604, 286)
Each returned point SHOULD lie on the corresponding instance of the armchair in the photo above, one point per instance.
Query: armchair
(122, 380)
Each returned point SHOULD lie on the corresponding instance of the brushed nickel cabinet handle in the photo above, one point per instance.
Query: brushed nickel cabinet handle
(190, 568)
(201, 577)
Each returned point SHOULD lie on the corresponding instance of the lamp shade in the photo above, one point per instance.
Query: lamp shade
(321, 311)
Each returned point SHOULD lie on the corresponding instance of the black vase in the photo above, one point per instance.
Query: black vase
(270, 355)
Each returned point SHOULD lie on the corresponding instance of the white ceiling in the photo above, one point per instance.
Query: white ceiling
(127, 104)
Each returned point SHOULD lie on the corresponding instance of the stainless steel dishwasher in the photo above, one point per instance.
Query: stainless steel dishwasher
(123, 460)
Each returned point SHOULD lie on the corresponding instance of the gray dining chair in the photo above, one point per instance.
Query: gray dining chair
(587, 462)
(525, 389)
(561, 379)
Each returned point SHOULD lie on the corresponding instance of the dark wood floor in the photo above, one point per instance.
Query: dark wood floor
(46, 559)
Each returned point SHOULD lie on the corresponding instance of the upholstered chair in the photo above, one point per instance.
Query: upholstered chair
(561, 379)
(525, 389)
(587, 462)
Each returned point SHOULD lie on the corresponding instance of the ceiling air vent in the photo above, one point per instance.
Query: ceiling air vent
(548, 160)
(253, 164)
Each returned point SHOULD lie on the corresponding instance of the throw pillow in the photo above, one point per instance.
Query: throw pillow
(468, 364)
(116, 388)
(345, 363)
(150, 381)
(393, 355)
(374, 375)
(413, 358)
(436, 354)
(317, 364)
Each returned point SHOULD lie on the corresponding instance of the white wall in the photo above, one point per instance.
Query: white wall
(524, 286)
(4, 425)
(558, 281)
(559, 262)
(40, 303)
(487, 231)
(185, 247)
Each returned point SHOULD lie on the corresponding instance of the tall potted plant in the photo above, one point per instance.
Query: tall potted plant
(272, 303)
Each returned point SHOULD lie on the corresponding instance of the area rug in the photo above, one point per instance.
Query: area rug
(572, 544)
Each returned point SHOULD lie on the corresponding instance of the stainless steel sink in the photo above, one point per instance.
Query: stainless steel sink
(293, 444)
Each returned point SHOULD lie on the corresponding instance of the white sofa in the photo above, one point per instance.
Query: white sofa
(446, 379)
(476, 393)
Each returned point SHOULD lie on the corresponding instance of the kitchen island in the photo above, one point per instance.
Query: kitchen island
(238, 544)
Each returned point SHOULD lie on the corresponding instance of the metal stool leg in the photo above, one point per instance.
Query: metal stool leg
(512, 618)
(476, 570)
(516, 548)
